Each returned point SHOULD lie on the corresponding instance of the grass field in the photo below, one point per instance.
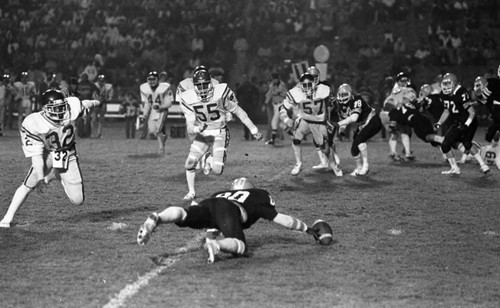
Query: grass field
(405, 236)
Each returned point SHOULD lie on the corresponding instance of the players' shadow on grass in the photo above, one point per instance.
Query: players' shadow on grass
(145, 155)
(421, 165)
(361, 182)
(482, 181)
(108, 214)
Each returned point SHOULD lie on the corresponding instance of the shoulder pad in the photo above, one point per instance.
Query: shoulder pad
(220, 90)
(163, 86)
(189, 97)
(323, 90)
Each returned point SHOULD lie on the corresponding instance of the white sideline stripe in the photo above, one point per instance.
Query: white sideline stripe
(131, 289)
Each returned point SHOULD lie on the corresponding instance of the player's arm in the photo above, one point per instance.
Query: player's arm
(290, 222)
(284, 109)
(442, 119)
(90, 103)
(167, 99)
(352, 118)
(190, 115)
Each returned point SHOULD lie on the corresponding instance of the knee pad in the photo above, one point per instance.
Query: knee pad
(296, 141)
(190, 163)
(218, 161)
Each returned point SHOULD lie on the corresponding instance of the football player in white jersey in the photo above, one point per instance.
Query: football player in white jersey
(48, 138)
(205, 107)
(310, 101)
(156, 98)
(25, 92)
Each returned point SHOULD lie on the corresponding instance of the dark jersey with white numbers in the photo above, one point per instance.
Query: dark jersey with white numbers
(356, 105)
(434, 105)
(457, 104)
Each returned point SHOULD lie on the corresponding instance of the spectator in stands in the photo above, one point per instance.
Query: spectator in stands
(105, 94)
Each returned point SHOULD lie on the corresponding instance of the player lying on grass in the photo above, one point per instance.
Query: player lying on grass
(231, 212)
(48, 138)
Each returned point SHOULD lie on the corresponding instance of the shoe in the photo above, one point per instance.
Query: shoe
(394, 157)
(320, 166)
(452, 171)
(212, 249)
(355, 172)
(190, 196)
(147, 229)
(485, 169)
(296, 169)
(270, 142)
(336, 169)
(213, 233)
(364, 170)
(206, 164)
(4, 224)
(410, 157)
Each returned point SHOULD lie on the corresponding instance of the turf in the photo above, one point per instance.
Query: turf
(404, 236)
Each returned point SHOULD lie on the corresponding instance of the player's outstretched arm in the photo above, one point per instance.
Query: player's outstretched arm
(290, 222)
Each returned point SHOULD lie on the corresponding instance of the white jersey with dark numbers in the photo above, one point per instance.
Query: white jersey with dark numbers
(311, 109)
(40, 134)
(213, 112)
(491, 154)
(162, 96)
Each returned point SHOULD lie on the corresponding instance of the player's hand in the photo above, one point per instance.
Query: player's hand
(437, 125)
(202, 127)
(462, 127)
(330, 127)
(257, 136)
(289, 122)
(313, 232)
(41, 186)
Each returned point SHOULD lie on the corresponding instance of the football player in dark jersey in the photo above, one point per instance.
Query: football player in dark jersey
(354, 109)
(231, 212)
(463, 123)
(408, 114)
(487, 91)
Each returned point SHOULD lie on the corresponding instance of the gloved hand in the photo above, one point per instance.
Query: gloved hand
(41, 186)
(331, 127)
(257, 136)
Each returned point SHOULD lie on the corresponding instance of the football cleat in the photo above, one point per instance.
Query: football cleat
(4, 224)
(485, 169)
(355, 172)
(212, 249)
(147, 229)
(453, 170)
(320, 166)
(394, 157)
(190, 196)
(336, 169)
(296, 169)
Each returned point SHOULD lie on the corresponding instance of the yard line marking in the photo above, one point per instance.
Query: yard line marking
(131, 289)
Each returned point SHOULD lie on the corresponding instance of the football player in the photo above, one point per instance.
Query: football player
(491, 152)
(462, 124)
(232, 211)
(403, 82)
(205, 107)
(48, 138)
(314, 71)
(487, 91)
(408, 114)
(309, 101)
(25, 94)
(354, 109)
(156, 98)
(105, 93)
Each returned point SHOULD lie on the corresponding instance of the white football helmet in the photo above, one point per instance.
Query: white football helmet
(242, 183)
(307, 84)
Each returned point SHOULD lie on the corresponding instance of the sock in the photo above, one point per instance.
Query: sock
(190, 176)
(364, 154)
(405, 139)
(232, 245)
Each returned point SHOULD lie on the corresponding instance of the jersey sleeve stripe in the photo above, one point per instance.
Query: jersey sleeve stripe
(31, 135)
(187, 106)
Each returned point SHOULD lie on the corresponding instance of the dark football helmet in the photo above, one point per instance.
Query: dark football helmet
(449, 83)
(344, 93)
(54, 105)
(101, 78)
(152, 79)
(313, 70)
(403, 80)
(242, 183)
(307, 84)
(203, 84)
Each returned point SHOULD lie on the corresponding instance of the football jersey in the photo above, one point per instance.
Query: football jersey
(163, 96)
(40, 134)
(491, 154)
(356, 105)
(457, 104)
(433, 104)
(492, 94)
(212, 112)
(312, 109)
(255, 203)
